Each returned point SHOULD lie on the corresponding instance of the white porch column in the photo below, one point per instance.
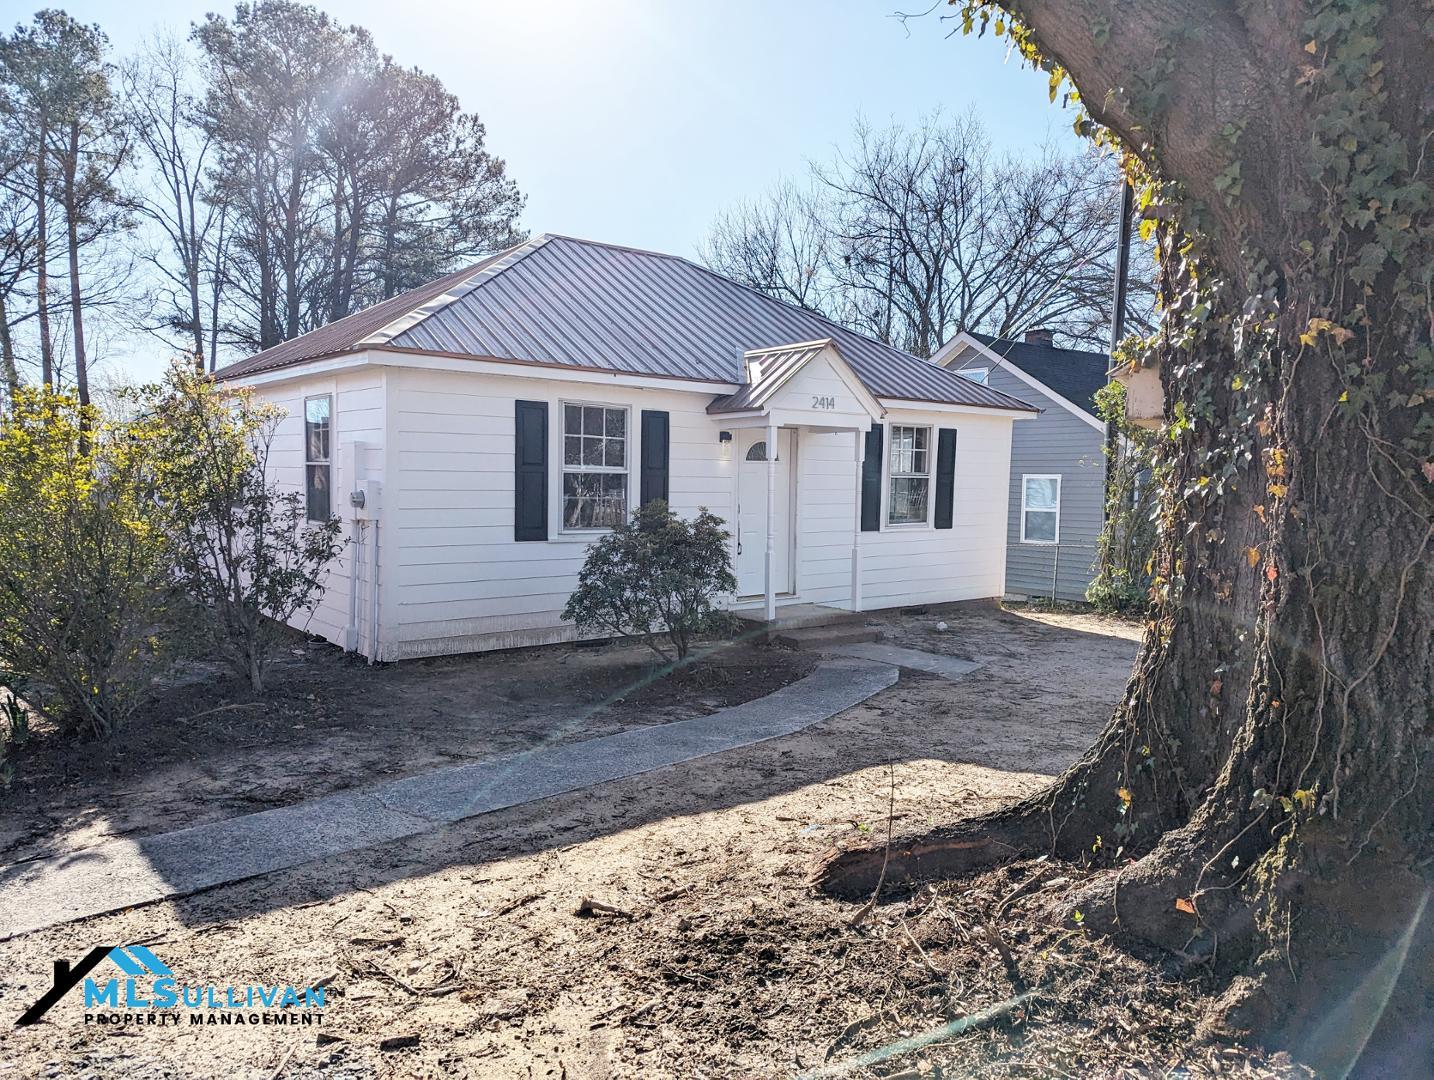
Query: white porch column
(771, 583)
(856, 527)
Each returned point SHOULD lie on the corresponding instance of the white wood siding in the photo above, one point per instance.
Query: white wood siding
(905, 564)
(358, 415)
(453, 579)
(463, 582)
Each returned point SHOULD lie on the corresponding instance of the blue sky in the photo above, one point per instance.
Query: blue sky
(636, 121)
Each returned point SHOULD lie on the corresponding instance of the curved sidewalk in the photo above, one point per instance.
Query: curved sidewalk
(122, 873)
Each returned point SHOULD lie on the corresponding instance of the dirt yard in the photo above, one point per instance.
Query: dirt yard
(207, 749)
(461, 953)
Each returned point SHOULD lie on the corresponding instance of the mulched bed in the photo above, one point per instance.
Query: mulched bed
(730, 675)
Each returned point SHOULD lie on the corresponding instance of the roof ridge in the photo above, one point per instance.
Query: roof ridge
(995, 339)
(741, 285)
(793, 345)
(832, 323)
(484, 270)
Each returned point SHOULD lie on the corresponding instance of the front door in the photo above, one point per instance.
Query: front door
(752, 513)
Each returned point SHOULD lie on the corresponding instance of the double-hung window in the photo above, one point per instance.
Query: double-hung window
(595, 465)
(1040, 509)
(910, 475)
(318, 470)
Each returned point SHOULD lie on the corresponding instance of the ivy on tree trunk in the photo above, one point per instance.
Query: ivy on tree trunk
(1269, 770)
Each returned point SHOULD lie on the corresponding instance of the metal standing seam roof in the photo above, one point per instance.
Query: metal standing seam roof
(343, 335)
(778, 365)
(561, 301)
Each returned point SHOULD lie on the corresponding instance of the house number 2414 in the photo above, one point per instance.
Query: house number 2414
(823, 401)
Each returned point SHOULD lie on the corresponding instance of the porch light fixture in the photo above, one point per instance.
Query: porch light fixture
(724, 436)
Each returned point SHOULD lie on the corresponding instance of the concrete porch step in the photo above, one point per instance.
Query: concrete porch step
(824, 637)
(794, 616)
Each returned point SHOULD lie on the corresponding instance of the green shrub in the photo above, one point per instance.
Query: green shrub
(85, 580)
(242, 548)
(655, 577)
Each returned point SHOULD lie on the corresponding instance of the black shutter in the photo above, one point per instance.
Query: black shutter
(530, 457)
(871, 481)
(654, 457)
(945, 477)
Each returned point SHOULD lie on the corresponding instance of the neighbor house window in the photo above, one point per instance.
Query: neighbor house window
(976, 374)
(910, 461)
(594, 466)
(318, 474)
(1040, 509)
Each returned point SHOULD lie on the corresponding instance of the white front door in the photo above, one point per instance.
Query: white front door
(752, 453)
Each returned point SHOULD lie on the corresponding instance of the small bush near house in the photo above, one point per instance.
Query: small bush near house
(655, 577)
(85, 582)
(241, 548)
(1127, 540)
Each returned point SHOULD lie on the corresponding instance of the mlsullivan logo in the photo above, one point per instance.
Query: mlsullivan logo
(149, 984)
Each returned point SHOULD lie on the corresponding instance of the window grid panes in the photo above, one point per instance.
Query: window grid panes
(910, 475)
(1040, 509)
(318, 472)
(595, 455)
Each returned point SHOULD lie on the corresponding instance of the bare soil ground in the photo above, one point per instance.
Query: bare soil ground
(465, 945)
(207, 748)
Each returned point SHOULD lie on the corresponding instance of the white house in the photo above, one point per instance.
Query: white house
(477, 433)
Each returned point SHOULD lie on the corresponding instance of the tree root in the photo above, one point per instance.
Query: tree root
(852, 873)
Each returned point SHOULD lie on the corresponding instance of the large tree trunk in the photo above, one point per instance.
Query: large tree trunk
(7, 354)
(42, 253)
(193, 243)
(1264, 795)
(72, 234)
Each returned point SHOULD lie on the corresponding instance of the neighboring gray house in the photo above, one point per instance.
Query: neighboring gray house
(1057, 501)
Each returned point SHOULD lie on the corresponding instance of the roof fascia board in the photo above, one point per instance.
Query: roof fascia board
(962, 339)
(305, 369)
(533, 369)
(905, 405)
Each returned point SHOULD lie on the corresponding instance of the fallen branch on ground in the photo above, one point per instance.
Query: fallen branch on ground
(588, 907)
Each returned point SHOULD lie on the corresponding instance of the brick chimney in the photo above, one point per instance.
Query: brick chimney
(1041, 336)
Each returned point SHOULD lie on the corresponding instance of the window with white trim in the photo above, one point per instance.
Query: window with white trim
(318, 469)
(976, 374)
(909, 475)
(1040, 509)
(595, 465)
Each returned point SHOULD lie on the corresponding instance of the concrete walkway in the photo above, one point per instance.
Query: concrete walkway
(122, 873)
(948, 667)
